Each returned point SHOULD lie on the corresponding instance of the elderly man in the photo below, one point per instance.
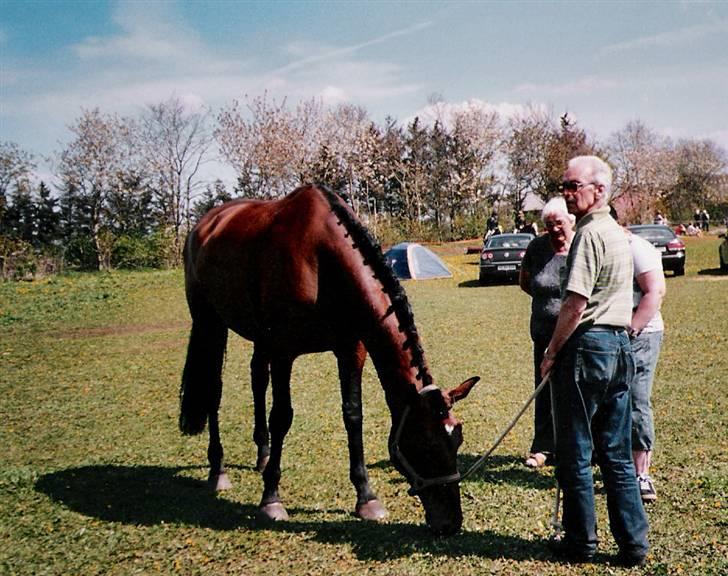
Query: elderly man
(591, 362)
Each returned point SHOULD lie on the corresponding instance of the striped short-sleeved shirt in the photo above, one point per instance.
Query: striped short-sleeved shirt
(599, 267)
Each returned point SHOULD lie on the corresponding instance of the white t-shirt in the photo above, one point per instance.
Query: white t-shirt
(646, 258)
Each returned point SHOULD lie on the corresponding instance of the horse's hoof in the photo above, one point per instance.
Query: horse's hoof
(372, 510)
(261, 463)
(272, 512)
(219, 482)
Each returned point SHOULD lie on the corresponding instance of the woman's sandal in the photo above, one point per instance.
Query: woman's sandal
(536, 460)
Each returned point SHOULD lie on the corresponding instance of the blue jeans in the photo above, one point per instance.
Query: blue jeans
(592, 404)
(646, 348)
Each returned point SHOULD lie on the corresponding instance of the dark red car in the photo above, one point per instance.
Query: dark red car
(667, 242)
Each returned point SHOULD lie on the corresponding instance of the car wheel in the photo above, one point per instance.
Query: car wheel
(723, 265)
(680, 271)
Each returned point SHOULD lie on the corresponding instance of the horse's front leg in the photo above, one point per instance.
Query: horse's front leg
(281, 417)
(350, 363)
(259, 377)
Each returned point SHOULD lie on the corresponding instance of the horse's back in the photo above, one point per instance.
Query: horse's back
(254, 260)
(241, 224)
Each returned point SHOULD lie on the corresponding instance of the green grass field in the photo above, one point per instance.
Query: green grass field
(96, 479)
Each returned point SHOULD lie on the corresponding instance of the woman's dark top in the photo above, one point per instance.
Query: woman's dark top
(543, 266)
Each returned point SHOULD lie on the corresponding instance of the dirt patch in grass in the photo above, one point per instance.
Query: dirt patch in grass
(125, 329)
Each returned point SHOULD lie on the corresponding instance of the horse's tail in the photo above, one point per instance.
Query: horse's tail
(201, 387)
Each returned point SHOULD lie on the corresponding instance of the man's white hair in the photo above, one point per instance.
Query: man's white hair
(556, 207)
(599, 171)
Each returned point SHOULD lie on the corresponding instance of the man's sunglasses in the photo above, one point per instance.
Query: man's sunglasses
(573, 185)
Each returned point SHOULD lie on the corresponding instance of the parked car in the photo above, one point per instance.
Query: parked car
(501, 257)
(723, 252)
(667, 242)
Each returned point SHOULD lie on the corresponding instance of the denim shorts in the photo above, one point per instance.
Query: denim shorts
(646, 350)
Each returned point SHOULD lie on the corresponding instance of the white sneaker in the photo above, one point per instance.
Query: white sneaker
(647, 488)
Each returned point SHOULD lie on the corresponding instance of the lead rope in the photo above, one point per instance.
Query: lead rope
(557, 529)
(556, 526)
(508, 428)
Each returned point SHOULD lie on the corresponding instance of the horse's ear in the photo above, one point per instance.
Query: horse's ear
(463, 390)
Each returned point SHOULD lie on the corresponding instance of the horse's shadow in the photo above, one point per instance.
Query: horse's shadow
(152, 495)
(143, 495)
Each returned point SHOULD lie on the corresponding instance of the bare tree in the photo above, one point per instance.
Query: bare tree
(91, 167)
(345, 131)
(700, 177)
(176, 143)
(644, 170)
(270, 147)
(477, 135)
(527, 141)
(16, 167)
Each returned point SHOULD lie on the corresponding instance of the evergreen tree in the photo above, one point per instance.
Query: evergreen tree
(212, 196)
(47, 218)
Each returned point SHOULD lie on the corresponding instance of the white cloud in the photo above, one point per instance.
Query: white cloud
(154, 56)
(149, 33)
(719, 136)
(332, 95)
(445, 111)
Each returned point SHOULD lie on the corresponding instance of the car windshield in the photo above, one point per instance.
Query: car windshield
(508, 241)
(654, 234)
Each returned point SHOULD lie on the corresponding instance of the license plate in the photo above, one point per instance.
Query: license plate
(507, 267)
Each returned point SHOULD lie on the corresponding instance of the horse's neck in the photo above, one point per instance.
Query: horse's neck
(393, 356)
(395, 352)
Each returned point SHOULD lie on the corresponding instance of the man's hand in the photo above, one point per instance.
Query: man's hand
(546, 365)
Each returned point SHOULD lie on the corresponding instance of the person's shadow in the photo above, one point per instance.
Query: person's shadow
(151, 495)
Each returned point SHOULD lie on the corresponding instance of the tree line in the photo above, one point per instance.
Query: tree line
(127, 190)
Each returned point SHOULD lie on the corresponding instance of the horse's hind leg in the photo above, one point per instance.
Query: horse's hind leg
(281, 417)
(202, 388)
(350, 363)
(259, 376)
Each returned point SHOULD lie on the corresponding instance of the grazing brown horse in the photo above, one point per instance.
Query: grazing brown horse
(301, 275)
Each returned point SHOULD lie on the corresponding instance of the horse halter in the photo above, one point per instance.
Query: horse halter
(417, 482)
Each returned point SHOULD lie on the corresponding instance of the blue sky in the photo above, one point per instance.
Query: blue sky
(607, 63)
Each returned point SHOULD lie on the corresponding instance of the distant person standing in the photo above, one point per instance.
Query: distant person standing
(520, 220)
(705, 221)
(540, 278)
(590, 359)
(659, 219)
(491, 225)
(530, 228)
(697, 218)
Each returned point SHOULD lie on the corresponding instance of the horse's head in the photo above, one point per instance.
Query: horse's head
(423, 446)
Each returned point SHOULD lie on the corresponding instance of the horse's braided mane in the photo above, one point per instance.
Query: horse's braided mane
(371, 251)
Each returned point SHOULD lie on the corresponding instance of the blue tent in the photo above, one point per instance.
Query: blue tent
(413, 261)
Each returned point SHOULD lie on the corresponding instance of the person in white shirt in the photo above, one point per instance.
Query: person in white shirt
(646, 334)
